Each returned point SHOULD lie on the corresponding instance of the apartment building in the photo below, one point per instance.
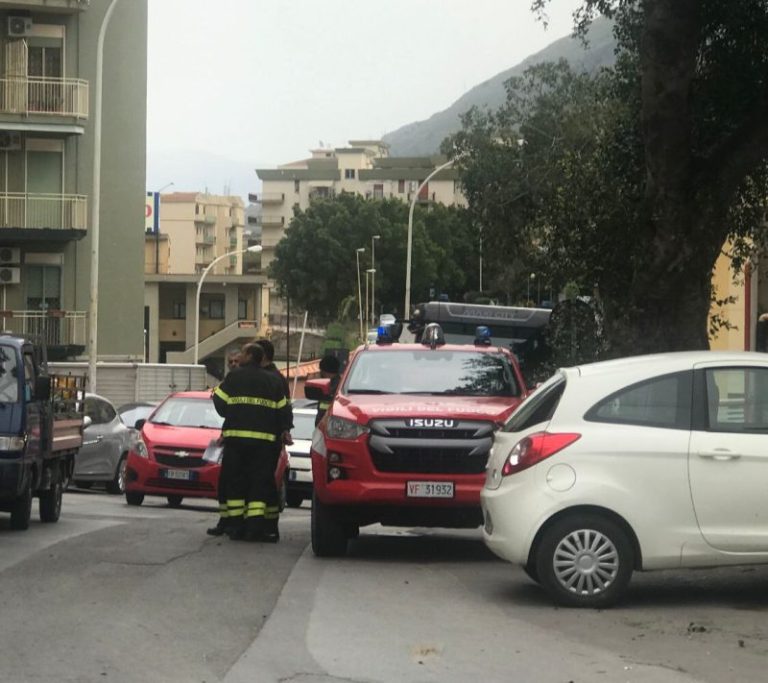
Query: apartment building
(199, 230)
(364, 168)
(48, 66)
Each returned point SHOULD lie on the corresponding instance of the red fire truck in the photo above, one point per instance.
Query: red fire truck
(407, 436)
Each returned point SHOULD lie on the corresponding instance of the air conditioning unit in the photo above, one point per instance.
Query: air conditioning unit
(10, 255)
(10, 140)
(19, 27)
(10, 276)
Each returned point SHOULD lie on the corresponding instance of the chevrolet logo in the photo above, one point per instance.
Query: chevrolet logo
(182, 454)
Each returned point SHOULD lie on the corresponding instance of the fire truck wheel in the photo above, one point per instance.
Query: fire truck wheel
(329, 538)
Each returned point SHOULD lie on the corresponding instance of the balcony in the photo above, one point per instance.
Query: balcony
(44, 96)
(205, 218)
(272, 221)
(43, 211)
(270, 198)
(57, 328)
(63, 6)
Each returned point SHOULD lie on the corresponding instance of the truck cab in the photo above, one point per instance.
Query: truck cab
(40, 431)
(406, 439)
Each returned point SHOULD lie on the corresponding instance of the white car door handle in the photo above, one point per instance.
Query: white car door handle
(720, 454)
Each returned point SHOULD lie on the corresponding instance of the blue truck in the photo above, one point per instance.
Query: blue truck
(41, 430)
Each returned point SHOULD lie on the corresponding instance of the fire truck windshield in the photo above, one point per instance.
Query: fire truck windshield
(456, 373)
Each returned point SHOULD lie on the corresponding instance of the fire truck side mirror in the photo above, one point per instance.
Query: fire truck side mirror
(317, 389)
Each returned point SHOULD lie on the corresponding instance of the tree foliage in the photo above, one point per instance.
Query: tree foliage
(630, 181)
(316, 262)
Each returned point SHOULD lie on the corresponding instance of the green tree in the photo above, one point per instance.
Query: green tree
(316, 260)
(630, 181)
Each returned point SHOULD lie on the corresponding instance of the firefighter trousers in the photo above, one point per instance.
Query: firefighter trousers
(248, 481)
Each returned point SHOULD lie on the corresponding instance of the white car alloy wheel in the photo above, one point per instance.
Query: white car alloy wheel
(585, 560)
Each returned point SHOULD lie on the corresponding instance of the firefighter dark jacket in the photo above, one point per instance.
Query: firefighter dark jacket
(253, 404)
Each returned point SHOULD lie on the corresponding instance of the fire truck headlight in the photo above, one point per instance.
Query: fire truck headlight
(339, 428)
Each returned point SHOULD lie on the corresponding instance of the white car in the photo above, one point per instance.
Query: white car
(299, 486)
(651, 462)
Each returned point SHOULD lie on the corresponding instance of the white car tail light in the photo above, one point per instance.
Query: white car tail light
(535, 448)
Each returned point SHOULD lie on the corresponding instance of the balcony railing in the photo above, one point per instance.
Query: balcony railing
(270, 197)
(46, 96)
(54, 211)
(272, 220)
(55, 327)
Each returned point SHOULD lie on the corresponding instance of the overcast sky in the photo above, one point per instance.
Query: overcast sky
(254, 83)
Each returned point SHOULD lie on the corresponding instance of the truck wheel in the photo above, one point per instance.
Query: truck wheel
(22, 508)
(117, 485)
(174, 501)
(294, 499)
(50, 501)
(134, 497)
(329, 538)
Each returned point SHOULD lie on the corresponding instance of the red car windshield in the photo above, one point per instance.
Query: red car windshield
(433, 372)
(188, 412)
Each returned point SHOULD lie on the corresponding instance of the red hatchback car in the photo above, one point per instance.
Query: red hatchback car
(168, 459)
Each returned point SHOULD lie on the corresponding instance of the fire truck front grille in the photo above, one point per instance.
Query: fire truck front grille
(461, 448)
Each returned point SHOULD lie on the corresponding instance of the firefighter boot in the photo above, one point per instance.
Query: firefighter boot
(254, 529)
(271, 531)
(236, 529)
(220, 529)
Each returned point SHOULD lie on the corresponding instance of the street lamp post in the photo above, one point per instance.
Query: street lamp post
(407, 310)
(93, 298)
(359, 291)
(370, 272)
(373, 279)
(254, 249)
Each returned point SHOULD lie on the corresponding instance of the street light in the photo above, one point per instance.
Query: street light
(359, 291)
(373, 279)
(254, 249)
(371, 272)
(93, 298)
(407, 311)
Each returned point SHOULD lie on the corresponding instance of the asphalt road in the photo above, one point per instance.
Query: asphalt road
(124, 594)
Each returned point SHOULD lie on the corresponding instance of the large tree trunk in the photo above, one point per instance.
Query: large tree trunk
(667, 309)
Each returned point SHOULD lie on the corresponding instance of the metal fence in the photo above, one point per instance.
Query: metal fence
(56, 211)
(55, 328)
(50, 96)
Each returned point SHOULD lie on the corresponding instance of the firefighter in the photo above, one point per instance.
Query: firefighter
(233, 361)
(256, 415)
(329, 369)
(272, 515)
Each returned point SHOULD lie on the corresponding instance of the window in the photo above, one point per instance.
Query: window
(401, 186)
(378, 191)
(9, 375)
(29, 372)
(540, 407)
(242, 309)
(349, 173)
(179, 310)
(737, 400)
(659, 402)
(435, 373)
(99, 411)
(296, 185)
(216, 309)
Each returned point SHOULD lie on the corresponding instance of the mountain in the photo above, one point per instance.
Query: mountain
(199, 171)
(423, 138)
